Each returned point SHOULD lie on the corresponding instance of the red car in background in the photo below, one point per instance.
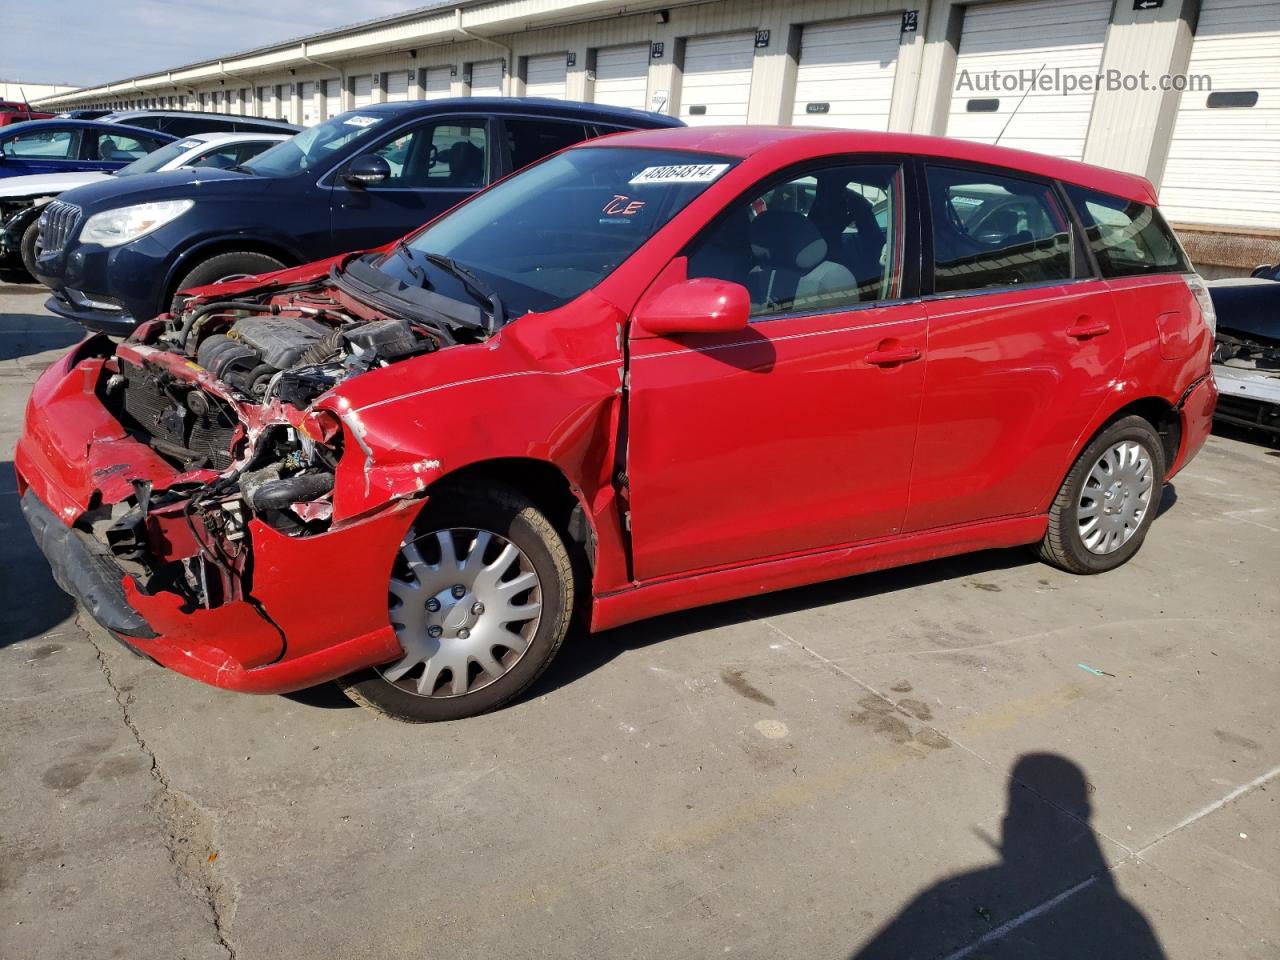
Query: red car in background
(655, 370)
(13, 112)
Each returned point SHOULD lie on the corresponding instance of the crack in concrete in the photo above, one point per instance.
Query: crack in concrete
(186, 825)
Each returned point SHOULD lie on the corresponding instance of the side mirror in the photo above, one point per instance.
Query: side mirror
(703, 305)
(367, 169)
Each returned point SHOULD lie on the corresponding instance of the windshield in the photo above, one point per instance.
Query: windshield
(317, 145)
(551, 233)
(157, 158)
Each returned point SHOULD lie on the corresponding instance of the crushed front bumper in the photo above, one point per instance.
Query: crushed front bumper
(314, 607)
(1249, 398)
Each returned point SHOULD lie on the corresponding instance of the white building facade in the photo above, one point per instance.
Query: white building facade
(1184, 92)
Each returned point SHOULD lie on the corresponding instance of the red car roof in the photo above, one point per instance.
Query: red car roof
(792, 144)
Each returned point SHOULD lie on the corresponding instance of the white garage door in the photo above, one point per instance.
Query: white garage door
(266, 102)
(310, 109)
(1028, 36)
(486, 79)
(1223, 166)
(622, 76)
(845, 77)
(332, 98)
(438, 83)
(717, 78)
(397, 86)
(362, 90)
(544, 76)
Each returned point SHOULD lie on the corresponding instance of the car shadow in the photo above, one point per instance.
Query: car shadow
(18, 277)
(31, 604)
(326, 696)
(583, 654)
(27, 334)
(1049, 895)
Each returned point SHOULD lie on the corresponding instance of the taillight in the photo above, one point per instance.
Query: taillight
(1195, 283)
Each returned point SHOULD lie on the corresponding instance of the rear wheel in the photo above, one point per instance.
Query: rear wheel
(481, 595)
(225, 266)
(1107, 502)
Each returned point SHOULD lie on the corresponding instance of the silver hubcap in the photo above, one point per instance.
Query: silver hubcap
(465, 604)
(1116, 497)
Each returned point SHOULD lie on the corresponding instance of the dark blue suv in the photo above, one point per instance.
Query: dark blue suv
(116, 253)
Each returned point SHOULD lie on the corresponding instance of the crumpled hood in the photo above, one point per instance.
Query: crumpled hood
(201, 183)
(47, 184)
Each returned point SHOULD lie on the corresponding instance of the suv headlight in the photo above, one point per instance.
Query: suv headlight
(114, 227)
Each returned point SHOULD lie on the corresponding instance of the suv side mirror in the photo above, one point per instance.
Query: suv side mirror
(703, 305)
(367, 169)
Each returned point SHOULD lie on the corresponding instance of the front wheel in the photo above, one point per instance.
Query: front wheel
(480, 596)
(1102, 513)
(224, 266)
(29, 247)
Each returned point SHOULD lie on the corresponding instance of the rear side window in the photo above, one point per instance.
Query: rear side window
(124, 147)
(1128, 238)
(532, 140)
(991, 230)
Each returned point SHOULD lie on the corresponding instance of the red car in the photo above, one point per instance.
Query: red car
(653, 371)
(11, 111)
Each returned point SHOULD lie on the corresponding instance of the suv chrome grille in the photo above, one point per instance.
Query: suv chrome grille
(57, 220)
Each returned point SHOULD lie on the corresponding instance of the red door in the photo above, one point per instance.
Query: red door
(1013, 378)
(1015, 372)
(775, 440)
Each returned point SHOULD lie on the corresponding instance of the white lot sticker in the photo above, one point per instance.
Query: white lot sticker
(188, 144)
(361, 121)
(680, 173)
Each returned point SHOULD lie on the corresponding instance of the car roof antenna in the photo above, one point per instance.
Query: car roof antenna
(1014, 112)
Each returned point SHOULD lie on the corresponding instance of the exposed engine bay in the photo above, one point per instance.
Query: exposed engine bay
(223, 391)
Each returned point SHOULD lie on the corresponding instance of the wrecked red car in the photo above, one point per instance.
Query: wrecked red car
(653, 371)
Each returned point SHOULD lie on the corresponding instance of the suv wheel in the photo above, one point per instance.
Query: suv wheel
(29, 247)
(1106, 505)
(481, 596)
(225, 266)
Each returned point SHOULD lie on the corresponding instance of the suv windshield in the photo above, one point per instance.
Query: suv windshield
(549, 234)
(316, 145)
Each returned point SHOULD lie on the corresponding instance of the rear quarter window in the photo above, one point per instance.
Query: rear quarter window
(1127, 238)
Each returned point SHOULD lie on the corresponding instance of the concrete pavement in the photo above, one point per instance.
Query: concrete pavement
(977, 757)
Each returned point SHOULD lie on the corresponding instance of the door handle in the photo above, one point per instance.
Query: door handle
(1086, 328)
(896, 355)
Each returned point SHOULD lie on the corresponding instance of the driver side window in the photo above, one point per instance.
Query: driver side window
(450, 154)
(995, 231)
(827, 240)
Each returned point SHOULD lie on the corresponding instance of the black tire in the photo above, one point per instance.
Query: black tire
(1063, 545)
(515, 518)
(224, 266)
(28, 247)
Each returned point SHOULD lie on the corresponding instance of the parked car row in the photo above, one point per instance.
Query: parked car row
(117, 253)
(651, 370)
(23, 198)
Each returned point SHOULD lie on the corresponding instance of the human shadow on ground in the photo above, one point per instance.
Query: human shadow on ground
(1051, 895)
